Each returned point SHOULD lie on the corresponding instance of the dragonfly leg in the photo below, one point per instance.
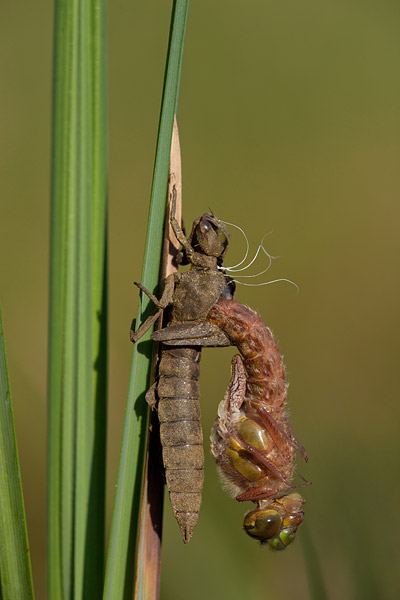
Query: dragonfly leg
(306, 482)
(177, 229)
(298, 445)
(254, 494)
(152, 297)
(151, 398)
(263, 493)
(191, 334)
(261, 459)
(167, 294)
(161, 304)
(277, 432)
(149, 322)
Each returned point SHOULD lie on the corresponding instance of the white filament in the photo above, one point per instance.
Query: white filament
(267, 283)
(260, 247)
(247, 245)
(234, 269)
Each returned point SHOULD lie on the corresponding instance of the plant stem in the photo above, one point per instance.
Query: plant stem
(127, 508)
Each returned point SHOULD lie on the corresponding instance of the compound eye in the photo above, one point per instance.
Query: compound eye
(281, 541)
(208, 225)
(262, 524)
(222, 238)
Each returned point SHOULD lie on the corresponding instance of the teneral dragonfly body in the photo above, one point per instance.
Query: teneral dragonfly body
(252, 439)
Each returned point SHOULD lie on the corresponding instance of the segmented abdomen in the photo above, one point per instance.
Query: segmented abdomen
(252, 440)
(181, 433)
(255, 342)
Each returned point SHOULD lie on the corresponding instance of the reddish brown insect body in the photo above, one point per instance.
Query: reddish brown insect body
(252, 439)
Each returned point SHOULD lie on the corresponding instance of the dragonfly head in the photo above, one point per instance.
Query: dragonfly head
(210, 236)
(277, 523)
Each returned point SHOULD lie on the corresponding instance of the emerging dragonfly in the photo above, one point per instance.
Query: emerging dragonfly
(252, 440)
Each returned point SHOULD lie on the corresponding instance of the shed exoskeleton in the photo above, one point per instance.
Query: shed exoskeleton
(188, 298)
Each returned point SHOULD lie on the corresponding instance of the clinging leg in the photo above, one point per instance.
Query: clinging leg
(180, 236)
(161, 304)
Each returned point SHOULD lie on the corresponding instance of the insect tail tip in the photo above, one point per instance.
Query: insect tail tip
(187, 532)
(187, 522)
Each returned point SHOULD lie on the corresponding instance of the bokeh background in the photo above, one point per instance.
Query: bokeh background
(289, 123)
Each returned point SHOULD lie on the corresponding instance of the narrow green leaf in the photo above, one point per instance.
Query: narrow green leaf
(313, 565)
(148, 558)
(125, 525)
(77, 326)
(15, 566)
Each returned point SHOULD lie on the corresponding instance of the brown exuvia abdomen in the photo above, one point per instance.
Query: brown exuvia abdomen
(181, 433)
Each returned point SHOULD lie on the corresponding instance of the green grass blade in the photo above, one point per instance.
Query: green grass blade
(148, 560)
(15, 566)
(77, 327)
(313, 566)
(125, 525)
(95, 552)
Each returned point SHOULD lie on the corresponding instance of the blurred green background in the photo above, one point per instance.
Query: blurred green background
(289, 122)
